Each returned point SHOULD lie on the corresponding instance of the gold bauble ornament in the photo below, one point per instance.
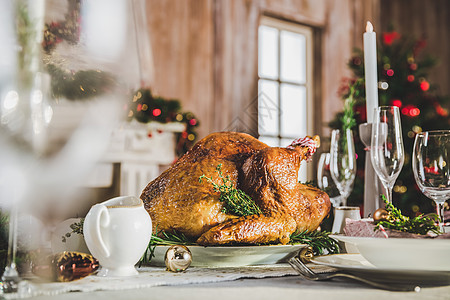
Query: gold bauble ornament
(380, 215)
(65, 266)
(178, 258)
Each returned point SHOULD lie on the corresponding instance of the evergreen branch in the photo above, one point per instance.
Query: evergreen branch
(348, 120)
(79, 85)
(320, 241)
(421, 224)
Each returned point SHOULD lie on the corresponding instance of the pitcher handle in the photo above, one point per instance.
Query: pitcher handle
(100, 217)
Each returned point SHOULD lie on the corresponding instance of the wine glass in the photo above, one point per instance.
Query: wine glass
(343, 162)
(325, 181)
(61, 95)
(386, 152)
(431, 166)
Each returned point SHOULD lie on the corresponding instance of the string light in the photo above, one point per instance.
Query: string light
(424, 85)
(397, 103)
(156, 112)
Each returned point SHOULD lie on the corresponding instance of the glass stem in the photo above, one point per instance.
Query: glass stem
(389, 194)
(11, 269)
(440, 212)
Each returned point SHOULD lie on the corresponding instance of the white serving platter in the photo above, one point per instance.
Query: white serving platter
(233, 256)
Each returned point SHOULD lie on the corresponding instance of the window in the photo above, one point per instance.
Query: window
(285, 106)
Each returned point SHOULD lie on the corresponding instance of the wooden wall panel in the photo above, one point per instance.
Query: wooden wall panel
(181, 34)
(205, 53)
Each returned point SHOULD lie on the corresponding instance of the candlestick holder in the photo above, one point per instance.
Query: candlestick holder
(372, 185)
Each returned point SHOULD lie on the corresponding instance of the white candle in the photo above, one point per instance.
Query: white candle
(370, 69)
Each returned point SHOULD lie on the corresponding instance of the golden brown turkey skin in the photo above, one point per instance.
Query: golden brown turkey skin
(177, 201)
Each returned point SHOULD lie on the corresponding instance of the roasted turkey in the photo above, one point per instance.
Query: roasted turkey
(178, 202)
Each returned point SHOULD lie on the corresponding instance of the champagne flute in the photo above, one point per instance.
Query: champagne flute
(325, 181)
(386, 152)
(431, 167)
(343, 162)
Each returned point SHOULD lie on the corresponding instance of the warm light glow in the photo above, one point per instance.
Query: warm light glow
(397, 103)
(383, 85)
(48, 114)
(11, 100)
(411, 111)
(156, 112)
(414, 112)
(425, 86)
(369, 27)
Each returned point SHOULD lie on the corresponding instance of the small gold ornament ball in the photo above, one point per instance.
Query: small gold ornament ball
(380, 215)
(178, 258)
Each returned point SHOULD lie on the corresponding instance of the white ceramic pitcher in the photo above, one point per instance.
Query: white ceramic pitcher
(117, 232)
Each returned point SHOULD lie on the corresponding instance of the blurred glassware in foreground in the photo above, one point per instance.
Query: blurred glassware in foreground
(431, 167)
(343, 162)
(66, 70)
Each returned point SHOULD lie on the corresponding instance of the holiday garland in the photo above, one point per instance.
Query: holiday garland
(67, 30)
(79, 85)
(145, 108)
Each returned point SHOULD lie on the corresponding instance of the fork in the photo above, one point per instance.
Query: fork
(309, 274)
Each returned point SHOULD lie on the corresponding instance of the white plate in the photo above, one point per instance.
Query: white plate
(403, 254)
(230, 256)
(356, 264)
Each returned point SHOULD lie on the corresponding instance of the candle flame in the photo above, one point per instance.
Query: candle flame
(369, 27)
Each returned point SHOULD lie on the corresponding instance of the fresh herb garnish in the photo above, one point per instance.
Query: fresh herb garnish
(76, 227)
(163, 238)
(311, 183)
(421, 224)
(236, 201)
(320, 241)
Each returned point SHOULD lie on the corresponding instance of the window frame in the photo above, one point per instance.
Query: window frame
(308, 33)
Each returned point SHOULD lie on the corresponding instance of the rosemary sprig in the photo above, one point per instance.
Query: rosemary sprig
(320, 241)
(421, 224)
(235, 201)
(76, 227)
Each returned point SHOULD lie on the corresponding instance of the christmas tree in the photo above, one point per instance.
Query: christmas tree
(402, 82)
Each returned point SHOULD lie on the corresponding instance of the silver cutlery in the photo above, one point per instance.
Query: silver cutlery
(309, 274)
